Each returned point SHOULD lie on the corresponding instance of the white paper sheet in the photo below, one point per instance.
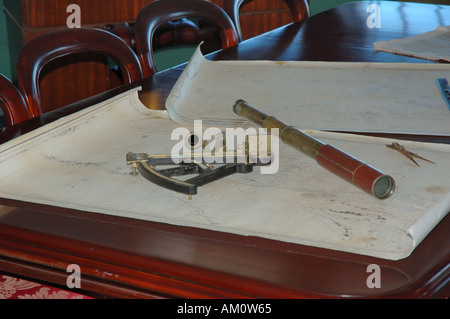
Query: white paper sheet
(79, 162)
(334, 96)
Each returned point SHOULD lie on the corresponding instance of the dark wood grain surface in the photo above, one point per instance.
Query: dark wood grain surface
(121, 257)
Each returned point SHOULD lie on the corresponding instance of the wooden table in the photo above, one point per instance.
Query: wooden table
(121, 257)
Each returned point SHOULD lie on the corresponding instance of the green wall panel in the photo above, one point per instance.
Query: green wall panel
(5, 67)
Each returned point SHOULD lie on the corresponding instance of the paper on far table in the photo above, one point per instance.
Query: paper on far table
(433, 45)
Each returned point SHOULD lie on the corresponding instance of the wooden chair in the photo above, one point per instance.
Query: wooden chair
(161, 12)
(299, 10)
(51, 46)
(12, 102)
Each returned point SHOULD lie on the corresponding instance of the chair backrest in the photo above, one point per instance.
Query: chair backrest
(161, 12)
(51, 46)
(298, 8)
(12, 102)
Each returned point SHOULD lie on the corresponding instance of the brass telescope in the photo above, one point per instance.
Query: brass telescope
(360, 174)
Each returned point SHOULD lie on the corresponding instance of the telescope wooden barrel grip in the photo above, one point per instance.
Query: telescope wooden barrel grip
(354, 171)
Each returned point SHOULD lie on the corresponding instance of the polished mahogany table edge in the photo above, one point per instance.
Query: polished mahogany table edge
(65, 242)
(39, 241)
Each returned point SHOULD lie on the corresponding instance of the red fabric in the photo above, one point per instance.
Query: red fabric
(15, 288)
